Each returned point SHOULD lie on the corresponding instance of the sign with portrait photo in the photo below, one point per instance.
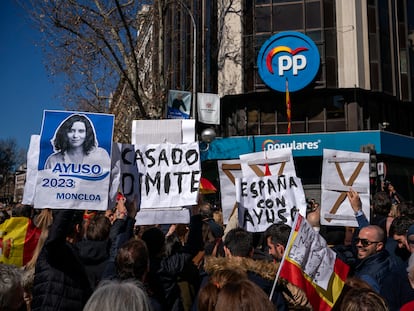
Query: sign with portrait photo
(179, 104)
(74, 160)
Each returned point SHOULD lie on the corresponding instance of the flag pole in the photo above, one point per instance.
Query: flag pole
(287, 249)
(288, 108)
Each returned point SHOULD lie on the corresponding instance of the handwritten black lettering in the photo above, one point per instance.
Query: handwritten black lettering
(127, 183)
(163, 157)
(150, 157)
(191, 156)
(124, 156)
(139, 157)
(247, 218)
(280, 214)
(195, 184)
(176, 155)
(270, 216)
(292, 182)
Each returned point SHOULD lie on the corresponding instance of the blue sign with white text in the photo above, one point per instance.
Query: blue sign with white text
(288, 57)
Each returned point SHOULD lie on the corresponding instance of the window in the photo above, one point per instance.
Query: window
(287, 17)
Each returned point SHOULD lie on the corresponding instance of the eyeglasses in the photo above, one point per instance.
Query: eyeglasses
(365, 242)
(410, 241)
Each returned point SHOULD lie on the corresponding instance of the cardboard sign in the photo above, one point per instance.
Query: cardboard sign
(280, 162)
(228, 170)
(124, 174)
(170, 174)
(342, 170)
(267, 200)
(74, 161)
(31, 174)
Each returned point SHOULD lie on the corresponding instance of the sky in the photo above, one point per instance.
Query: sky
(25, 88)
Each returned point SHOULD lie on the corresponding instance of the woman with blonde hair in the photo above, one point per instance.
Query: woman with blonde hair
(42, 221)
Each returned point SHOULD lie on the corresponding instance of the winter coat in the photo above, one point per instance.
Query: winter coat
(60, 281)
(163, 279)
(166, 273)
(396, 289)
(94, 256)
(374, 268)
(263, 274)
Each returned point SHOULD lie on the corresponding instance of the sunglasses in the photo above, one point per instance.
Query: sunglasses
(410, 241)
(365, 242)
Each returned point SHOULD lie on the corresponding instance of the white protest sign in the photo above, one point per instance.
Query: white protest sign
(31, 174)
(267, 200)
(280, 162)
(228, 170)
(342, 170)
(124, 174)
(163, 216)
(74, 161)
(162, 131)
(308, 250)
(170, 174)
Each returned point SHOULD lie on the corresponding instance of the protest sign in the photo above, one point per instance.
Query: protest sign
(170, 174)
(267, 200)
(279, 162)
(312, 266)
(342, 170)
(124, 174)
(163, 216)
(228, 170)
(31, 174)
(162, 131)
(74, 161)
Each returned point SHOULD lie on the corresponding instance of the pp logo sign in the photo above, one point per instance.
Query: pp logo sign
(288, 56)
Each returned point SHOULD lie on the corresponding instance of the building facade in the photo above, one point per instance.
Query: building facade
(365, 81)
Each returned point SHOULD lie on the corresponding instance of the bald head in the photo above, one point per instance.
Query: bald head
(370, 241)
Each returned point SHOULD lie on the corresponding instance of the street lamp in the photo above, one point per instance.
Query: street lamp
(193, 109)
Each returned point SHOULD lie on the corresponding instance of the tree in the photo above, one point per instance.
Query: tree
(10, 157)
(93, 43)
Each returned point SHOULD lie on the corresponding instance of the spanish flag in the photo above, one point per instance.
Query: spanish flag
(18, 240)
(312, 266)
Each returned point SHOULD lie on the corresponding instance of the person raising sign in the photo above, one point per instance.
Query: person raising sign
(75, 142)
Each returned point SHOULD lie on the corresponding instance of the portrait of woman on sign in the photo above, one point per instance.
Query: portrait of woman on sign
(75, 142)
(74, 163)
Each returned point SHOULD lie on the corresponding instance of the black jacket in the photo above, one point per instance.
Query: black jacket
(375, 268)
(166, 272)
(60, 281)
(396, 289)
(94, 256)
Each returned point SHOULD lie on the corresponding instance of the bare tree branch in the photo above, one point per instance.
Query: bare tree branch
(93, 44)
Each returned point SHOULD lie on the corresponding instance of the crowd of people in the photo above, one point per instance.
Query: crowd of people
(103, 261)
